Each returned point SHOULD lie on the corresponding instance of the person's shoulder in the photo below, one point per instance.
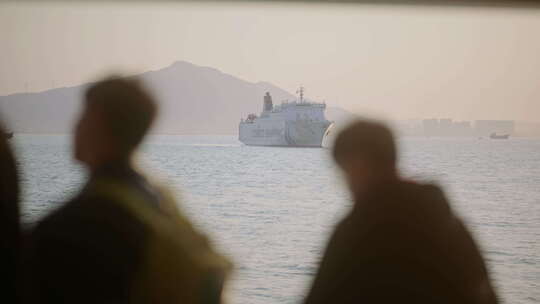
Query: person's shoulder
(433, 193)
(57, 217)
(417, 187)
(89, 224)
(85, 212)
(424, 191)
(428, 199)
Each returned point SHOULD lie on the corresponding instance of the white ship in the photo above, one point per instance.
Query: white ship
(292, 124)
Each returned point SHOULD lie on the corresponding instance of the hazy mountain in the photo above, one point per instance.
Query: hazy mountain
(51, 111)
(193, 100)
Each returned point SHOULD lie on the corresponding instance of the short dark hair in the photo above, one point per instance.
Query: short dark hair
(128, 109)
(367, 139)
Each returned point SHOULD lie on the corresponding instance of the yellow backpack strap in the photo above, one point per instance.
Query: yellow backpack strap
(179, 265)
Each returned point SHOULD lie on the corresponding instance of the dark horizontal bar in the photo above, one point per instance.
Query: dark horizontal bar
(465, 3)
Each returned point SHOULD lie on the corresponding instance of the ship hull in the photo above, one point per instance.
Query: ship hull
(299, 133)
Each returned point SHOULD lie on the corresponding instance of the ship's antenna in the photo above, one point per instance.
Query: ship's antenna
(301, 92)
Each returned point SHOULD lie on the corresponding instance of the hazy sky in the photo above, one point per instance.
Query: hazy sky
(399, 62)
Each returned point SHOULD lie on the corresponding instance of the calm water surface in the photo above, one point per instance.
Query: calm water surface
(271, 209)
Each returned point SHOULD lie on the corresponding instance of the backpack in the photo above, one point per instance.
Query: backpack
(179, 264)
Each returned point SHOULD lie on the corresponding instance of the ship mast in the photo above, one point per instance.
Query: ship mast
(301, 92)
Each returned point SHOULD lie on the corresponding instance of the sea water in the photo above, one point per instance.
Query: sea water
(271, 209)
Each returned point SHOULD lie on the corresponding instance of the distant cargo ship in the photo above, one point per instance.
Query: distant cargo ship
(292, 124)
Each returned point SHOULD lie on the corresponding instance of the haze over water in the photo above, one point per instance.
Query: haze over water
(271, 209)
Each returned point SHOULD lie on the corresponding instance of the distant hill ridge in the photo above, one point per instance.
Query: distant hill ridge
(193, 100)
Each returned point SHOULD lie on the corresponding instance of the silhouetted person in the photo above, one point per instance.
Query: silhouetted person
(121, 240)
(10, 231)
(401, 242)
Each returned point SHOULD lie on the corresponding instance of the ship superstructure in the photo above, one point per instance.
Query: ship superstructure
(299, 123)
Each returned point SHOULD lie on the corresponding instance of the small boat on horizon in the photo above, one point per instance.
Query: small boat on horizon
(495, 136)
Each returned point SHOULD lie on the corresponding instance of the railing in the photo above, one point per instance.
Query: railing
(294, 103)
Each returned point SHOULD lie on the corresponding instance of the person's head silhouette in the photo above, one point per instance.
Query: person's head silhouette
(366, 152)
(117, 115)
